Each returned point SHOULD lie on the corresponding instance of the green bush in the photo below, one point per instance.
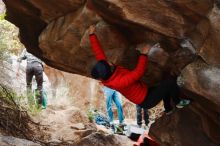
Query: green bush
(91, 115)
(9, 42)
(10, 99)
(2, 16)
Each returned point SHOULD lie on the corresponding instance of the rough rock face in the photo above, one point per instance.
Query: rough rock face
(179, 129)
(174, 19)
(201, 80)
(8, 140)
(59, 124)
(9, 78)
(57, 33)
(2, 7)
(98, 139)
(64, 84)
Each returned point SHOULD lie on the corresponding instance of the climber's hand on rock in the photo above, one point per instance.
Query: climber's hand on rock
(144, 48)
(92, 29)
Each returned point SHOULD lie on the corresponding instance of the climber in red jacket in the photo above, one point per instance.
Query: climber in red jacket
(128, 82)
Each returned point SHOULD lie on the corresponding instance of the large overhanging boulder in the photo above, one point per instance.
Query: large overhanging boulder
(202, 84)
(56, 32)
(174, 19)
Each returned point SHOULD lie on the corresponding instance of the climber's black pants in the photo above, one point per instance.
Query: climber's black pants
(165, 90)
(34, 69)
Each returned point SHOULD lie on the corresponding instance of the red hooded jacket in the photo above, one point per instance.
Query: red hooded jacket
(123, 80)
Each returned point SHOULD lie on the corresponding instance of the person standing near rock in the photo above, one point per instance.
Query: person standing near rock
(34, 68)
(128, 82)
(113, 96)
(139, 110)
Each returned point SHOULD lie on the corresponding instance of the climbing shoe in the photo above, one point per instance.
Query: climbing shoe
(43, 107)
(118, 130)
(122, 126)
(113, 128)
(182, 103)
(139, 125)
